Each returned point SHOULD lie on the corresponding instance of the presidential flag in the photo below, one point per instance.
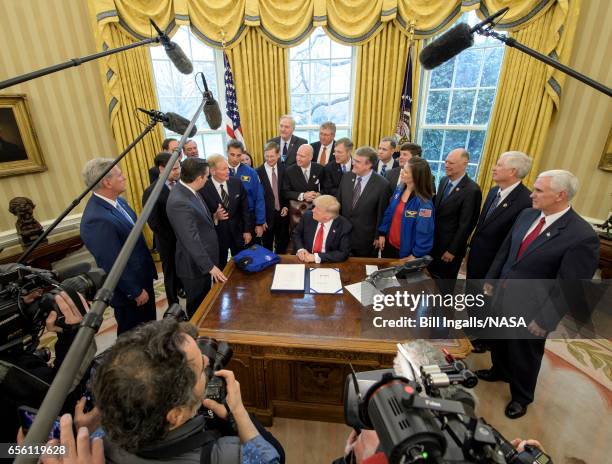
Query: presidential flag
(232, 121)
(405, 119)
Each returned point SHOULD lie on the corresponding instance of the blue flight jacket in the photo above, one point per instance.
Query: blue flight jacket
(417, 229)
(255, 191)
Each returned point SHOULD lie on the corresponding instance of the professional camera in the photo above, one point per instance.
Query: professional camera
(219, 354)
(427, 418)
(22, 317)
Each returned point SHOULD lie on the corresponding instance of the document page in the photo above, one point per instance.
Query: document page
(325, 280)
(288, 277)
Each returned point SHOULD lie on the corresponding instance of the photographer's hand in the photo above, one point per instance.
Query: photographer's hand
(90, 420)
(519, 444)
(71, 314)
(79, 451)
(246, 429)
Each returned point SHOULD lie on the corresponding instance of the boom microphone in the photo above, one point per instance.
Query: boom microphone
(211, 107)
(453, 42)
(172, 121)
(174, 52)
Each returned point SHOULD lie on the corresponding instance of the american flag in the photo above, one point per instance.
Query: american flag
(232, 122)
(403, 124)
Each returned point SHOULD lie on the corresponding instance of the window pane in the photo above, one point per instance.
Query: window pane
(300, 109)
(472, 170)
(437, 107)
(461, 108)
(299, 73)
(437, 170)
(454, 139)
(492, 65)
(319, 45)
(475, 145)
(302, 134)
(340, 133)
(432, 141)
(468, 68)
(318, 113)
(442, 76)
(163, 78)
(339, 109)
(340, 75)
(484, 105)
(213, 143)
(319, 78)
(340, 51)
(209, 70)
(201, 51)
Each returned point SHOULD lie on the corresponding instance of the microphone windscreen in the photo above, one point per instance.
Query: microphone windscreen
(212, 113)
(447, 46)
(177, 123)
(178, 58)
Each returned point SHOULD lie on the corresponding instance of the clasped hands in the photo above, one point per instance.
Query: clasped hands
(304, 256)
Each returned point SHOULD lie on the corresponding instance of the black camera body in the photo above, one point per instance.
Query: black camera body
(219, 355)
(21, 320)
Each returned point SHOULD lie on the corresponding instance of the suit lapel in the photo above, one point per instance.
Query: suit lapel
(114, 211)
(331, 235)
(456, 190)
(547, 235)
(365, 191)
(441, 190)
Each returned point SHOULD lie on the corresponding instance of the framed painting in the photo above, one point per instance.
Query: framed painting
(605, 163)
(19, 149)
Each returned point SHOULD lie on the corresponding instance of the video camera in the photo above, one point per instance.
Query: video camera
(23, 316)
(426, 418)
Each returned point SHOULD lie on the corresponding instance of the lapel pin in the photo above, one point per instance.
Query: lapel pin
(548, 234)
(505, 205)
(456, 189)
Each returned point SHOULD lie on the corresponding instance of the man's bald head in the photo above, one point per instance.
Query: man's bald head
(456, 163)
(303, 156)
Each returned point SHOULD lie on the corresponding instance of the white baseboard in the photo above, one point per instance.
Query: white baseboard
(70, 223)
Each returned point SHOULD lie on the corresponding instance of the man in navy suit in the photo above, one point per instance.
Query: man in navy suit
(386, 161)
(288, 142)
(197, 249)
(554, 247)
(228, 195)
(338, 166)
(105, 225)
(323, 149)
(165, 240)
(322, 235)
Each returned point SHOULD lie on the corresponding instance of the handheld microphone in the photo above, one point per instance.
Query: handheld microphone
(453, 42)
(174, 52)
(172, 121)
(211, 107)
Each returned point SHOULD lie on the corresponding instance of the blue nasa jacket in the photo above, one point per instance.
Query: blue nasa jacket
(417, 230)
(255, 191)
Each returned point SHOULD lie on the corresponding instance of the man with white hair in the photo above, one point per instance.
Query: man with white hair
(503, 204)
(547, 244)
(288, 142)
(105, 225)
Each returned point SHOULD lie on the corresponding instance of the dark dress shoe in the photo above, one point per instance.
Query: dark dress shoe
(514, 410)
(489, 375)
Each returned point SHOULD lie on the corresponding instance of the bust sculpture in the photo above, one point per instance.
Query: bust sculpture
(28, 228)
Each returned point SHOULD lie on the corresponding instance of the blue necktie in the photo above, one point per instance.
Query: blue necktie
(343, 168)
(125, 214)
(383, 170)
(494, 205)
(448, 189)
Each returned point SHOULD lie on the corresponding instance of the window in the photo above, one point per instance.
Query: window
(321, 80)
(179, 93)
(456, 104)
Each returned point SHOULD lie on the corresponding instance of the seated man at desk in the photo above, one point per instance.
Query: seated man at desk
(322, 235)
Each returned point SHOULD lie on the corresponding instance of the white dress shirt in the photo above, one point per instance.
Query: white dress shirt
(306, 170)
(503, 194)
(113, 203)
(389, 165)
(218, 187)
(549, 220)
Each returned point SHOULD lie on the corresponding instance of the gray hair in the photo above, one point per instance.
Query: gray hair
(93, 169)
(289, 117)
(562, 181)
(392, 141)
(348, 143)
(329, 125)
(519, 161)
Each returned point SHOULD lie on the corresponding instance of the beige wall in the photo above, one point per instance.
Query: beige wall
(67, 108)
(578, 134)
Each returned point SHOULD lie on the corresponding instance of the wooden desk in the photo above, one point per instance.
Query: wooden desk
(291, 351)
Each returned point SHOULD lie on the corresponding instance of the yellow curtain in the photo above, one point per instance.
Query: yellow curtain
(381, 64)
(528, 90)
(262, 89)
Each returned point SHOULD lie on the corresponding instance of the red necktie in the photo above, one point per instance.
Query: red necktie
(318, 241)
(531, 237)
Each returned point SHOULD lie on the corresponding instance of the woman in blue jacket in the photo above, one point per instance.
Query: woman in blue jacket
(407, 228)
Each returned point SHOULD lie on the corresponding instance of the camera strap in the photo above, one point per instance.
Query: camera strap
(204, 440)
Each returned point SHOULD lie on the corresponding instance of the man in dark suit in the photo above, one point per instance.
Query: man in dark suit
(323, 150)
(168, 146)
(272, 174)
(105, 225)
(228, 195)
(165, 240)
(554, 247)
(288, 142)
(385, 161)
(338, 166)
(501, 207)
(295, 185)
(457, 205)
(322, 236)
(407, 151)
(197, 248)
(363, 197)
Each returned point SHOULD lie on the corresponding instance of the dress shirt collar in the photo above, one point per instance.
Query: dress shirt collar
(113, 203)
(551, 218)
(454, 183)
(188, 187)
(348, 165)
(219, 184)
(503, 193)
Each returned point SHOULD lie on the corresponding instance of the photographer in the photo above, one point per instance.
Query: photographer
(149, 389)
(28, 388)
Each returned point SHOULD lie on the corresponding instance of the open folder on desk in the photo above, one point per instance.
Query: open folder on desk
(324, 280)
(289, 278)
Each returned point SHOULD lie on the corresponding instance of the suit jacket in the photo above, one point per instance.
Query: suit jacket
(294, 144)
(368, 212)
(316, 147)
(568, 250)
(395, 165)
(337, 243)
(239, 220)
(491, 232)
(268, 195)
(456, 217)
(332, 175)
(158, 220)
(104, 230)
(153, 174)
(197, 248)
(295, 183)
